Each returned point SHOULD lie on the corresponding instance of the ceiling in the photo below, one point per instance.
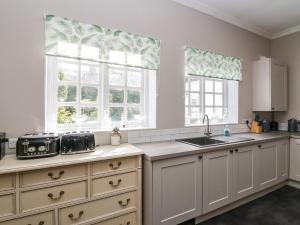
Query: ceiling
(268, 18)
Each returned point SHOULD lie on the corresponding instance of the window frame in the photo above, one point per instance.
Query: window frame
(102, 103)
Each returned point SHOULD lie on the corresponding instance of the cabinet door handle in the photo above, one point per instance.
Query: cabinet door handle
(80, 214)
(51, 175)
(259, 146)
(231, 151)
(236, 150)
(128, 223)
(115, 185)
(114, 167)
(40, 223)
(61, 193)
(121, 203)
(200, 157)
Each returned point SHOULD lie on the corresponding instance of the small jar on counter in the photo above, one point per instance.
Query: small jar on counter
(115, 137)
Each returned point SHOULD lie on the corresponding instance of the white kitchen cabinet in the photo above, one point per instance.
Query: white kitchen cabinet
(245, 167)
(269, 85)
(295, 159)
(177, 190)
(217, 179)
(267, 155)
(283, 158)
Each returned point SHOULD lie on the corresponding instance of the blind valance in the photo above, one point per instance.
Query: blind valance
(209, 64)
(65, 37)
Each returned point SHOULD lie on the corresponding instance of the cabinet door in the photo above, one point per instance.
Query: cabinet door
(278, 87)
(177, 189)
(295, 159)
(245, 171)
(267, 165)
(283, 158)
(217, 179)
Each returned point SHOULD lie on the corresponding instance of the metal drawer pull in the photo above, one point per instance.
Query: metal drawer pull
(71, 216)
(40, 223)
(115, 185)
(114, 167)
(128, 223)
(121, 203)
(50, 174)
(61, 193)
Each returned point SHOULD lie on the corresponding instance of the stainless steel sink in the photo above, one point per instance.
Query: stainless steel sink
(208, 141)
(202, 141)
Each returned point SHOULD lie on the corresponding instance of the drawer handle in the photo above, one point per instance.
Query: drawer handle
(128, 223)
(115, 185)
(40, 223)
(71, 216)
(121, 203)
(114, 167)
(50, 174)
(61, 193)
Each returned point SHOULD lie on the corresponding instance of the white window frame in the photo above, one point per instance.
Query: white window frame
(148, 91)
(229, 100)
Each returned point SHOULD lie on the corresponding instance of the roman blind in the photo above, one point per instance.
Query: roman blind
(70, 38)
(209, 64)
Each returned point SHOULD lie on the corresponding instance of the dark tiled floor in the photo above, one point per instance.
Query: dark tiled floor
(281, 207)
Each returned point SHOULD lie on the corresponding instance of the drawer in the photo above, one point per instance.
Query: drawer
(113, 183)
(7, 181)
(114, 165)
(53, 195)
(46, 218)
(97, 208)
(128, 219)
(7, 204)
(53, 174)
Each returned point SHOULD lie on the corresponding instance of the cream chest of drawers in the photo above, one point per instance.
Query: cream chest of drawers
(102, 189)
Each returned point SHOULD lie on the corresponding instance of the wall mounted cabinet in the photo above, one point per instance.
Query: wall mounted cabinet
(269, 85)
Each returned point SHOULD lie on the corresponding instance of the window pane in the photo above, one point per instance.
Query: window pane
(116, 77)
(134, 79)
(89, 52)
(219, 86)
(116, 113)
(67, 72)
(209, 86)
(187, 87)
(66, 114)
(187, 98)
(90, 73)
(91, 113)
(195, 113)
(133, 113)
(116, 96)
(66, 93)
(218, 100)
(195, 99)
(195, 85)
(209, 99)
(209, 111)
(134, 59)
(219, 113)
(117, 57)
(65, 48)
(133, 97)
(89, 94)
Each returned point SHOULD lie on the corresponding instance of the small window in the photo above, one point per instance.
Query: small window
(212, 97)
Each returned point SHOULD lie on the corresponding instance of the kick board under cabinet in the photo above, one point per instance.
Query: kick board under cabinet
(98, 190)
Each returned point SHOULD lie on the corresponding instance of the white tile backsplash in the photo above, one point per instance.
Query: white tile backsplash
(135, 137)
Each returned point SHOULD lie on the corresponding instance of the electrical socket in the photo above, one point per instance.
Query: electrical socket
(12, 143)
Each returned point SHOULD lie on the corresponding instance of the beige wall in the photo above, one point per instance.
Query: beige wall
(22, 57)
(287, 49)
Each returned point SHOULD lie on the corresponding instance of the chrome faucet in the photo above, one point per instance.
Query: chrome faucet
(207, 131)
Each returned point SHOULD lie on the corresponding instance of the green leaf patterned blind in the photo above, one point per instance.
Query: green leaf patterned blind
(209, 64)
(71, 38)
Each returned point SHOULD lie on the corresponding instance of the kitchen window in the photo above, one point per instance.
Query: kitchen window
(211, 87)
(105, 78)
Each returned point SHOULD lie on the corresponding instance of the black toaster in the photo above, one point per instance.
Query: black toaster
(32, 146)
(77, 142)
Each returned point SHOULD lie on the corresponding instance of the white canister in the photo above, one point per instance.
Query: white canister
(115, 137)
